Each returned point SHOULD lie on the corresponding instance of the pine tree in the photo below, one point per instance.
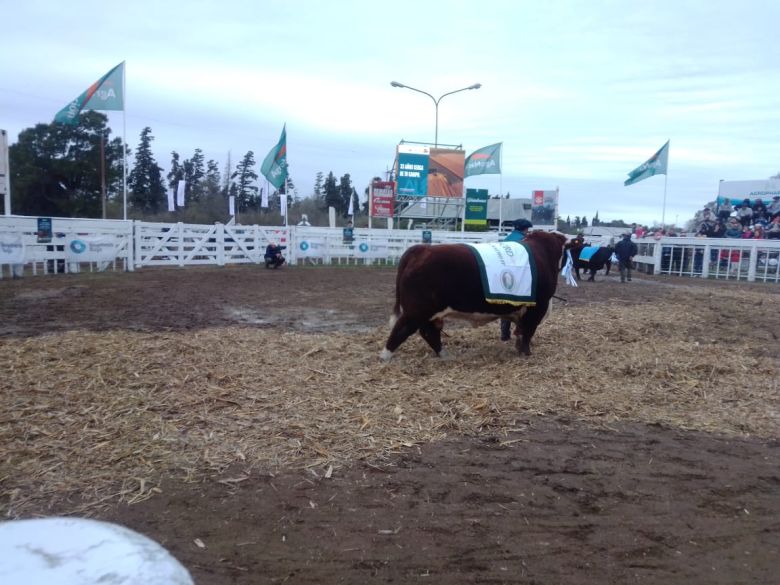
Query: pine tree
(212, 184)
(345, 192)
(245, 177)
(194, 172)
(318, 187)
(145, 180)
(176, 173)
(331, 195)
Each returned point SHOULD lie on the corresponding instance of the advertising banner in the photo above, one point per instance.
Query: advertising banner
(445, 172)
(371, 250)
(311, 248)
(738, 191)
(543, 206)
(382, 199)
(476, 206)
(44, 230)
(90, 249)
(412, 172)
(11, 249)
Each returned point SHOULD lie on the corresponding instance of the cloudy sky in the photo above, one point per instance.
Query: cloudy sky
(580, 93)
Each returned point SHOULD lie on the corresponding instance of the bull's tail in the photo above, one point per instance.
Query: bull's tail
(397, 306)
(397, 309)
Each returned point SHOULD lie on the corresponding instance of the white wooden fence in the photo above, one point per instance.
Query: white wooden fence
(139, 244)
(47, 257)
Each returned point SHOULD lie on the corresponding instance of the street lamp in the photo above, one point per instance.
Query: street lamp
(436, 101)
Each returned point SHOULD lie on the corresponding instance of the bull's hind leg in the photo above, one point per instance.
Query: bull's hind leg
(528, 324)
(402, 329)
(431, 333)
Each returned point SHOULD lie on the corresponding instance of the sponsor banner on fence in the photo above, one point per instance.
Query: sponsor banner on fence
(371, 250)
(11, 249)
(543, 205)
(90, 249)
(382, 199)
(311, 248)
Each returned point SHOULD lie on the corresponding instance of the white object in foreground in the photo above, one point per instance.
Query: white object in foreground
(78, 551)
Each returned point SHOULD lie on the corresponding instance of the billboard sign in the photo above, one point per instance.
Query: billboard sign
(543, 206)
(738, 191)
(412, 172)
(382, 199)
(422, 171)
(445, 172)
(476, 206)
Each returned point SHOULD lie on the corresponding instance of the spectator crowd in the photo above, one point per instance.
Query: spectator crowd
(747, 220)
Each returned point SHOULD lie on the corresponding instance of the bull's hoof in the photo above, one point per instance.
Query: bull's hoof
(444, 355)
(385, 355)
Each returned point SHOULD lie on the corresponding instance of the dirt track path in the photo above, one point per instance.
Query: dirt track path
(552, 501)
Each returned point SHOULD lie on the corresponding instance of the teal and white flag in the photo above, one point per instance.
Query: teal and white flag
(105, 94)
(485, 161)
(655, 165)
(274, 166)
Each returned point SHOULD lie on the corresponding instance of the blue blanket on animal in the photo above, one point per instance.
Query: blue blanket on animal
(587, 253)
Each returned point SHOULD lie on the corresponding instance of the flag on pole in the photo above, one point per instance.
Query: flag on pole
(351, 209)
(180, 193)
(171, 206)
(655, 165)
(105, 94)
(485, 161)
(232, 205)
(283, 204)
(275, 164)
(263, 198)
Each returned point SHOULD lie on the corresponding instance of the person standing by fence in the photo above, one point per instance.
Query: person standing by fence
(625, 252)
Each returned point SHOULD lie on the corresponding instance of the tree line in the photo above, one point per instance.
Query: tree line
(64, 171)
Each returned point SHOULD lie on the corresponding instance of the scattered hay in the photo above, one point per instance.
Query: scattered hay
(91, 418)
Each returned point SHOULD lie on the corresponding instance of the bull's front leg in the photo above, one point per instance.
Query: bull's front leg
(431, 333)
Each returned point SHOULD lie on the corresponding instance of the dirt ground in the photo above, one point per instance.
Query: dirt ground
(551, 500)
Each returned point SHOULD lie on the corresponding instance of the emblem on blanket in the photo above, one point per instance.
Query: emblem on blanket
(508, 272)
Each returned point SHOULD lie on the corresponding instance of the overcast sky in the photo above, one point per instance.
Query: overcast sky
(580, 93)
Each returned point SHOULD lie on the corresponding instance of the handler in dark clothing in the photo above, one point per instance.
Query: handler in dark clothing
(273, 255)
(518, 234)
(625, 250)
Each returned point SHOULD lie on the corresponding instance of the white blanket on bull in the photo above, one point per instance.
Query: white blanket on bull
(508, 272)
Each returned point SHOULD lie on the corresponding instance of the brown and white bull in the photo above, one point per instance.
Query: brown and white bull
(434, 282)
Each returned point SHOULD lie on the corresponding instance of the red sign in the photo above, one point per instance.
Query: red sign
(382, 198)
(538, 198)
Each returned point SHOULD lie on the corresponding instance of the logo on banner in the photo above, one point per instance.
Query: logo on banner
(304, 245)
(78, 247)
(363, 247)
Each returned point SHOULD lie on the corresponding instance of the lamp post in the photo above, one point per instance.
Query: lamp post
(436, 102)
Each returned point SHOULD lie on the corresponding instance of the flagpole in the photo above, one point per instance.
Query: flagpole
(663, 209)
(124, 145)
(501, 189)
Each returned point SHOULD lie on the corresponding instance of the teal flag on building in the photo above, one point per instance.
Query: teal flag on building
(485, 161)
(274, 166)
(655, 165)
(107, 93)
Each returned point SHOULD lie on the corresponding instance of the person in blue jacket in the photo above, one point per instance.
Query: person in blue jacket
(521, 227)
